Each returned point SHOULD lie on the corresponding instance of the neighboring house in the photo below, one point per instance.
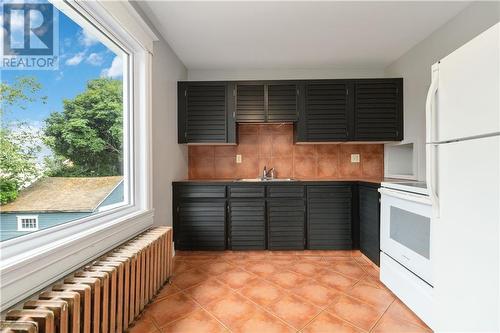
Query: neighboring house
(55, 200)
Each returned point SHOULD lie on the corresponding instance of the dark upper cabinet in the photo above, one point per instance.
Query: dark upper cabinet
(204, 113)
(322, 110)
(369, 222)
(329, 210)
(250, 103)
(378, 110)
(282, 102)
(261, 102)
(327, 114)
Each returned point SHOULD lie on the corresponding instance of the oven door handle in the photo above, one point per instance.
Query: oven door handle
(405, 196)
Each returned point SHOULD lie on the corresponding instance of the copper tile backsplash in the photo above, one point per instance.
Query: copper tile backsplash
(272, 145)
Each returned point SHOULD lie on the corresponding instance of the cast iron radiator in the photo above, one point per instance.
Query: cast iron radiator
(103, 296)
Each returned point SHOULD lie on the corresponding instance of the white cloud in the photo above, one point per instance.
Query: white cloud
(116, 69)
(87, 39)
(76, 59)
(94, 59)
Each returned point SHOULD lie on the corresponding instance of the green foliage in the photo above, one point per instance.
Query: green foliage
(89, 131)
(19, 143)
(23, 90)
(8, 190)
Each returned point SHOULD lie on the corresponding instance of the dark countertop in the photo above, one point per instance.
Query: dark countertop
(295, 181)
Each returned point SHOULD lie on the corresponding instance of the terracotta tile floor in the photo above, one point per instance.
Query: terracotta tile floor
(266, 292)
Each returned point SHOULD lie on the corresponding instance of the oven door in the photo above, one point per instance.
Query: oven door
(406, 230)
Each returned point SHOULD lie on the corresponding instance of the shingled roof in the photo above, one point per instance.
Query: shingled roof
(63, 194)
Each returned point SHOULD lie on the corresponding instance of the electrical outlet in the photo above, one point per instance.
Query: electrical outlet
(238, 158)
(355, 158)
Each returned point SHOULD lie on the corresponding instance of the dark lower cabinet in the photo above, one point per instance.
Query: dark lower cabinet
(329, 210)
(286, 224)
(369, 222)
(201, 225)
(294, 216)
(247, 224)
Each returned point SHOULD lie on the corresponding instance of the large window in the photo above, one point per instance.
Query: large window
(63, 124)
(75, 159)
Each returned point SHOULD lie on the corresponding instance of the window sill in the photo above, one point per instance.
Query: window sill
(23, 275)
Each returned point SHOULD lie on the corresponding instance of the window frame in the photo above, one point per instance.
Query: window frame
(22, 217)
(30, 262)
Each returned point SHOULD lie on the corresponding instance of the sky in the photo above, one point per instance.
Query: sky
(81, 58)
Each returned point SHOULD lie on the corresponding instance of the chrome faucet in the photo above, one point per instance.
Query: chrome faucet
(267, 174)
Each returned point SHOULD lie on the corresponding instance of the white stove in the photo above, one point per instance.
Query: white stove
(405, 244)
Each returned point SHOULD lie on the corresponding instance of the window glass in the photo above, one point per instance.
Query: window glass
(62, 120)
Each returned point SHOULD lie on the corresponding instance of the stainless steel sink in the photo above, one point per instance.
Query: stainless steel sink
(265, 180)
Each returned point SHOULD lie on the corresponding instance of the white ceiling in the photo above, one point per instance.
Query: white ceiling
(251, 35)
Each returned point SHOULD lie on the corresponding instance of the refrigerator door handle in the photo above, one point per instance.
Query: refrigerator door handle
(430, 163)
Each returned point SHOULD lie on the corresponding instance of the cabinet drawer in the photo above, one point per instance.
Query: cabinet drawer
(247, 191)
(201, 191)
(276, 191)
(329, 191)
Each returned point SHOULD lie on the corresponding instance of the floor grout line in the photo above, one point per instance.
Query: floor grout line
(378, 320)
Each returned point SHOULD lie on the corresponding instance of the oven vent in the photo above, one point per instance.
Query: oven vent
(103, 296)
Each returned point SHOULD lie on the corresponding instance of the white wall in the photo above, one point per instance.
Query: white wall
(415, 66)
(169, 158)
(283, 74)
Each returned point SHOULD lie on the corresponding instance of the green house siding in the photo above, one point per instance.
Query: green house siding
(8, 221)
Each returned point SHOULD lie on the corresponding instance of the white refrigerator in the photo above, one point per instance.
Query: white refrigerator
(463, 177)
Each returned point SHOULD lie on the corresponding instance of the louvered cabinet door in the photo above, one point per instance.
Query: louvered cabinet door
(286, 220)
(248, 224)
(203, 112)
(201, 225)
(250, 103)
(282, 102)
(379, 110)
(369, 222)
(328, 115)
(329, 217)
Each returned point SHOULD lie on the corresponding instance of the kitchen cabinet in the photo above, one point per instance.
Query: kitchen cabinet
(321, 110)
(282, 102)
(200, 217)
(378, 110)
(201, 225)
(328, 112)
(204, 114)
(369, 222)
(286, 217)
(250, 102)
(329, 210)
(260, 102)
(317, 215)
(247, 218)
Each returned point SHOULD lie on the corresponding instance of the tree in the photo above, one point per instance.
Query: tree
(88, 133)
(20, 146)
